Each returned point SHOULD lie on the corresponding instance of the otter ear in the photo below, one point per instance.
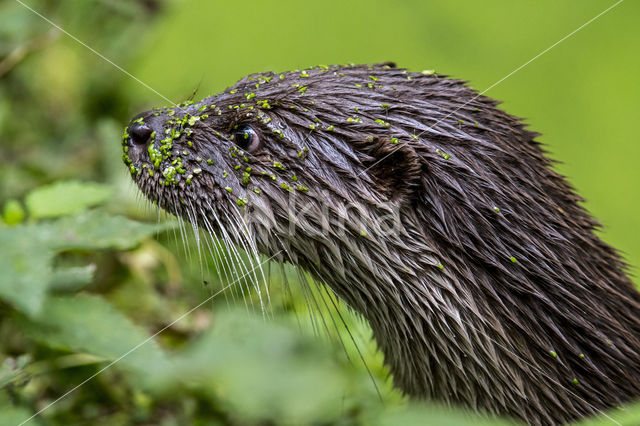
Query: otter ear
(394, 167)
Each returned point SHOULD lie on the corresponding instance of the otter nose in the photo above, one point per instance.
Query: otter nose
(139, 133)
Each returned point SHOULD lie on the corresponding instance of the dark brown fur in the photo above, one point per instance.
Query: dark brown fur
(493, 292)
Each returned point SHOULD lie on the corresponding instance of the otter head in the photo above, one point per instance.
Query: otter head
(287, 158)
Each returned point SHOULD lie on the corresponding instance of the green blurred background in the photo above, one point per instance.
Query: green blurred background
(63, 108)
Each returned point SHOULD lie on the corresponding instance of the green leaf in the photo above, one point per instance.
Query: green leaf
(12, 368)
(11, 415)
(281, 386)
(88, 323)
(628, 415)
(13, 213)
(63, 198)
(418, 414)
(28, 251)
(26, 267)
(72, 279)
(99, 230)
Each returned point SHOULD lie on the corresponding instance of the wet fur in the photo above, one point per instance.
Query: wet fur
(494, 293)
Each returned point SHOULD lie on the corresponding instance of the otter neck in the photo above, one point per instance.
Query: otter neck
(455, 331)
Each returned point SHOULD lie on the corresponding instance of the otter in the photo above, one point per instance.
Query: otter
(429, 211)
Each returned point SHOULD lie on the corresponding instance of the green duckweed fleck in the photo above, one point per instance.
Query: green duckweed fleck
(443, 154)
(264, 104)
(169, 174)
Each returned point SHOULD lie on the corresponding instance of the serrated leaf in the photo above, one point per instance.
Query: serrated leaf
(63, 198)
(88, 323)
(28, 250)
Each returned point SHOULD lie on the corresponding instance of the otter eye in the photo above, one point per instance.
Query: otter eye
(246, 138)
